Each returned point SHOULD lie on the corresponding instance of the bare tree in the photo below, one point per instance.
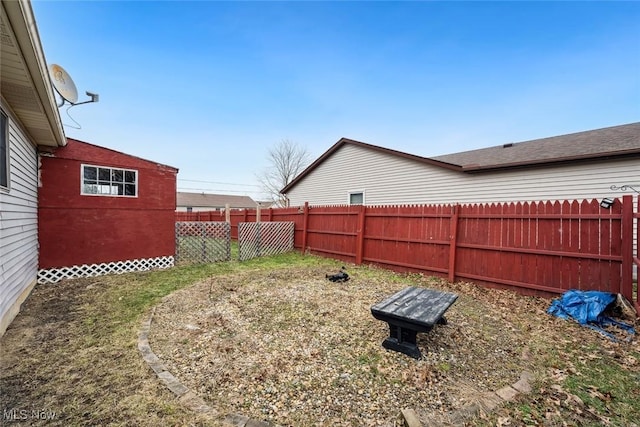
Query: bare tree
(286, 160)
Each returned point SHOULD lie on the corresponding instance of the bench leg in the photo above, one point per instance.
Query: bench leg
(402, 340)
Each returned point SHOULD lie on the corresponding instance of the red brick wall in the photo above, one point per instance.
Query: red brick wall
(74, 229)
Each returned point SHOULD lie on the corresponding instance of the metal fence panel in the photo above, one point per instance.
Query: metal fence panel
(202, 242)
(257, 239)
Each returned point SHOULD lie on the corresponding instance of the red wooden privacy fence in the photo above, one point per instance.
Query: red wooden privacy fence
(544, 247)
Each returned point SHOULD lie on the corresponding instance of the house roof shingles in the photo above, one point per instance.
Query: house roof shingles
(606, 142)
(204, 200)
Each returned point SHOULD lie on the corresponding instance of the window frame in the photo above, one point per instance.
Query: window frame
(4, 141)
(111, 182)
(354, 192)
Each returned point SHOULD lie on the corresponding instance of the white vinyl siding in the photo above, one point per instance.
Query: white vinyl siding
(18, 225)
(396, 180)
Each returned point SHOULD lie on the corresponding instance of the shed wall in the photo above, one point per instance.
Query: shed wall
(388, 179)
(18, 225)
(77, 229)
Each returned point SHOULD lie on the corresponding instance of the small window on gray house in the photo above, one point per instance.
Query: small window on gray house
(4, 151)
(105, 181)
(189, 209)
(356, 198)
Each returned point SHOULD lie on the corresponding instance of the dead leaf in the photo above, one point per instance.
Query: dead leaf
(503, 421)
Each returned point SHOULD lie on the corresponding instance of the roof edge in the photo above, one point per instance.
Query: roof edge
(344, 141)
(123, 153)
(22, 19)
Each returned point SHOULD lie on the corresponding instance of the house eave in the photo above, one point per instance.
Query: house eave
(31, 97)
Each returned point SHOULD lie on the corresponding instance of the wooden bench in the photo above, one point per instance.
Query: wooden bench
(410, 311)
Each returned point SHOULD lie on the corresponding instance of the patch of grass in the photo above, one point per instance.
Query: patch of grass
(608, 387)
(370, 359)
(588, 381)
(444, 366)
(143, 290)
(371, 362)
(527, 415)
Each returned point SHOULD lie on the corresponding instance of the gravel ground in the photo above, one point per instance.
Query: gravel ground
(293, 348)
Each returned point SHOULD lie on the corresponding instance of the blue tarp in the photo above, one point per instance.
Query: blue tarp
(587, 308)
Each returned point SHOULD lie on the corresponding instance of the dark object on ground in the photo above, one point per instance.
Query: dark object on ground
(340, 276)
(624, 309)
(410, 311)
(588, 309)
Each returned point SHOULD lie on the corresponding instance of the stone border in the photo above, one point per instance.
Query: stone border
(491, 400)
(185, 396)
(487, 401)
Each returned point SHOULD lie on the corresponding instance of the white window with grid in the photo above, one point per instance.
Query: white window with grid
(108, 181)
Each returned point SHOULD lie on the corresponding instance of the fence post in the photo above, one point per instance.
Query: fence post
(177, 251)
(305, 225)
(257, 213)
(636, 249)
(360, 235)
(453, 238)
(627, 247)
(270, 216)
(227, 213)
(203, 238)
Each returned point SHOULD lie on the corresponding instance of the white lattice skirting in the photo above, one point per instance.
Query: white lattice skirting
(53, 275)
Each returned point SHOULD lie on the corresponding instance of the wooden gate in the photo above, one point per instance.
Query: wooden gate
(202, 242)
(257, 239)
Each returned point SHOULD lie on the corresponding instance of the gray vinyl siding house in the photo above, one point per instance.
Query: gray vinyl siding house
(198, 202)
(30, 119)
(578, 166)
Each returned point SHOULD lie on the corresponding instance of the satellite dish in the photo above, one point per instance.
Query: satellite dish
(63, 84)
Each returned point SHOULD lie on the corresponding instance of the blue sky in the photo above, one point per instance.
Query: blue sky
(209, 87)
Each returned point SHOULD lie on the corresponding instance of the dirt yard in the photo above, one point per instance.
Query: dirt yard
(288, 346)
(295, 349)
